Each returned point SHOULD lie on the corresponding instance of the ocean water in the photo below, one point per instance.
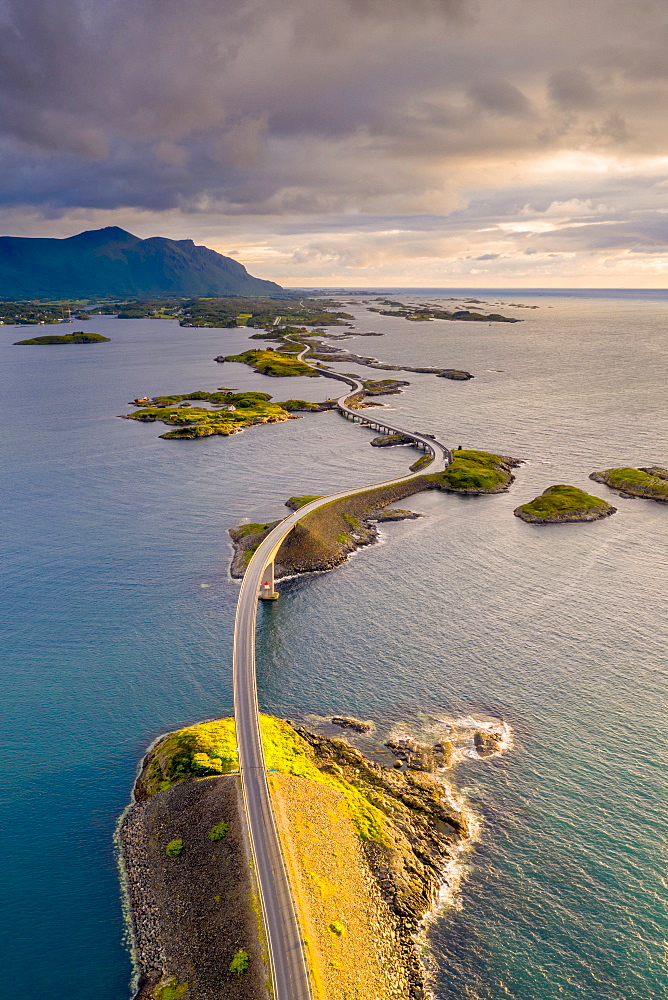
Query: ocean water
(118, 613)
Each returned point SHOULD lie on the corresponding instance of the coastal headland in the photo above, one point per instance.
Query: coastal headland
(365, 846)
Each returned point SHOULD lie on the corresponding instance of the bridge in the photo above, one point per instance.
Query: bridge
(289, 970)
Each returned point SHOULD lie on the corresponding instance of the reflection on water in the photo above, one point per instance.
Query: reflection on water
(119, 613)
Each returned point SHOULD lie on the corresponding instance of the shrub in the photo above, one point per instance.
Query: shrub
(174, 848)
(239, 963)
(173, 990)
(336, 927)
(219, 831)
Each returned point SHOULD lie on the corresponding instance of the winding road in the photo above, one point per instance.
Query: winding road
(286, 951)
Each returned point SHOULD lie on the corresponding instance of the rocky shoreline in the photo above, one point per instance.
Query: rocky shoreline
(326, 537)
(564, 505)
(191, 912)
(647, 482)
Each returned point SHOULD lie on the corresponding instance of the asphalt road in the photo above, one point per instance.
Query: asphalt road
(288, 964)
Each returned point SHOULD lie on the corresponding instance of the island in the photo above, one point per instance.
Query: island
(78, 337)
(326, 537)
(365, 845)
(292, 340)
(424, 313)
(474, 472)
(229, 412)
(390, 440)
(650, 482)
(563, 504)
(278, 364)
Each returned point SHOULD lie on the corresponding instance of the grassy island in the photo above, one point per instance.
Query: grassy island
(273, 363)
(562, 504)
(650, 482)
(233, 411)
(389, 440)
(228, 411)
(78, 337)
(364, 844)
(424, 313)
(476, 472)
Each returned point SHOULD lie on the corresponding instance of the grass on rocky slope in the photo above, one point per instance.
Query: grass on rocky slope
(294, 503)
(210, 749)
(273, 363)
(286, 752)
(652, 482)
(473, 470)
(248, 408)
(79, 337)
(563, 501)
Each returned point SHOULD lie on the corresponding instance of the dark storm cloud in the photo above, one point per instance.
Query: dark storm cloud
(466, 113)
(572, 89)
(501, 97)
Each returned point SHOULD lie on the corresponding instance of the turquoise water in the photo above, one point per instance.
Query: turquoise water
(118, 613)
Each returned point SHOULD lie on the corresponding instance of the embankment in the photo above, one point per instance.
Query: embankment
(325, 538)
(192, 913)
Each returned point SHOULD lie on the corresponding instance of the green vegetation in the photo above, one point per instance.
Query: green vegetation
(251, 529)
(239, 963)
(173, 990)
(336, 927)
(478, 471)
(219, 831)
(286, 752)
(263, 312)
(40, 313)
(389, 440)
(385, 386)
(78, 337)
(195, 752)
(273, 363)
(422, 461)
(564, 503)
(233, 412)
(300, 404)
(210, 749)
(174, 848)
(650, 483)
(294, 503)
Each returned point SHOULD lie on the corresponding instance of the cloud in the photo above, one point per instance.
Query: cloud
(500, 97)
(572, 89)
(376, 122)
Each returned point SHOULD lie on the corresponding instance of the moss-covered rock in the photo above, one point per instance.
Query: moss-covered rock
(562, 504)
(650, 482)
(476, 472)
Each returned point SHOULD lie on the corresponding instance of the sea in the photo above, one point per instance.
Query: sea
(118, 609)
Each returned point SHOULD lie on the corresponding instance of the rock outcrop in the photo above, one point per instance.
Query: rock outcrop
(649, 482)
(348, 722)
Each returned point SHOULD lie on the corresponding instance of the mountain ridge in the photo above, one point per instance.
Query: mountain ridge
(112, 262)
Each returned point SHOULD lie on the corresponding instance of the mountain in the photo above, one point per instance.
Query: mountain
(111, 263)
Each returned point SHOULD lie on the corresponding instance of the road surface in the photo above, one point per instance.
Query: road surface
(286, 952)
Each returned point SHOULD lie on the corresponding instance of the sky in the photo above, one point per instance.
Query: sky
(424, 143)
